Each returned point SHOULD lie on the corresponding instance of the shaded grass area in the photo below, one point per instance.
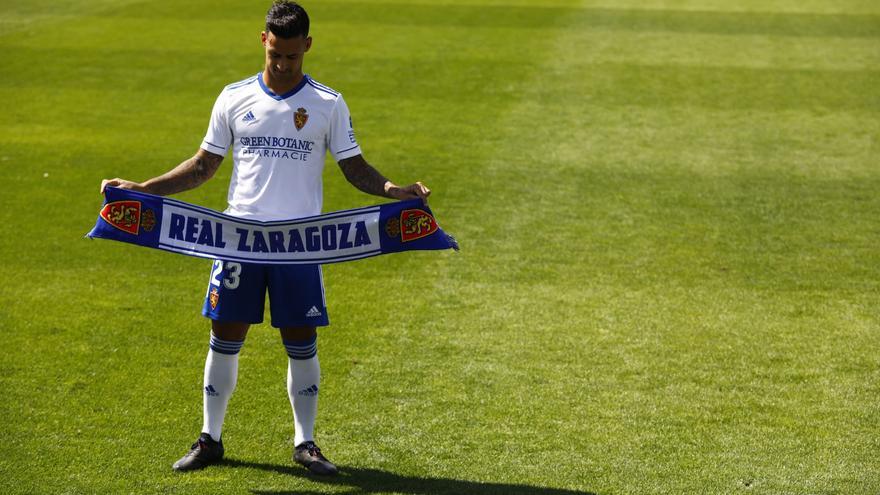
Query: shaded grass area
(668, 280)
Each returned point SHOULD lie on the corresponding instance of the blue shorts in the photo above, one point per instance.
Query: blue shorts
(237, 292)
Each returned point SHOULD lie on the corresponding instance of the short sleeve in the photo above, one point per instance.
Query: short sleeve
(219, 135)
(341, 140)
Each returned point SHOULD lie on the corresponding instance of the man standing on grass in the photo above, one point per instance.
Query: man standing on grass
(279, 125)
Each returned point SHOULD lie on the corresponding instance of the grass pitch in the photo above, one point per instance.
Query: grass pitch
(669, 280)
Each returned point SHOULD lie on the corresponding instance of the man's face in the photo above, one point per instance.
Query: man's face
(284, 56)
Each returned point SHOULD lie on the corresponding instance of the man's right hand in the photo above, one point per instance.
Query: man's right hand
(122, 184)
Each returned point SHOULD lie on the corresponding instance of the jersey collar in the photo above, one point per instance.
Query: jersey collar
(290, 93)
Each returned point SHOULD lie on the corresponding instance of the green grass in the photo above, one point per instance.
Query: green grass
(669, 279)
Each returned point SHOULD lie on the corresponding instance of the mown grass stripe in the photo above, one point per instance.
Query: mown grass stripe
(575, 17)
(667, 20)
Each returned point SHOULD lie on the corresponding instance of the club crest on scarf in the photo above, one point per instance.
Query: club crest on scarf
(124, 215)
(300, 118)
(415, 224)
(392, 227)
(148, 220)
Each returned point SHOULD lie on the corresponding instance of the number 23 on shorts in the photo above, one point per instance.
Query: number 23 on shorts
(233, 274)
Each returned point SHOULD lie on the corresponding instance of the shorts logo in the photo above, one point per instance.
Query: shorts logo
(416, 224)
(300, 118)
(124, 215)
(148, 220)
(214, 297)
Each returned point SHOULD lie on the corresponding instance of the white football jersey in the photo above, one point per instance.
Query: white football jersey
(278, 145)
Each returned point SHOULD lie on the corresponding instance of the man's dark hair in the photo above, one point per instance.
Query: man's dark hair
(287, 19)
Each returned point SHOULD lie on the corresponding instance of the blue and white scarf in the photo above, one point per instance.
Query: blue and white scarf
(172, 225)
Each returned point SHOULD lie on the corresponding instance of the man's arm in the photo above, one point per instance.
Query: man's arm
(363, 176)
(188, 175)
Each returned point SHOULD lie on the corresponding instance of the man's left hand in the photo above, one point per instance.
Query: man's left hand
(412, 191)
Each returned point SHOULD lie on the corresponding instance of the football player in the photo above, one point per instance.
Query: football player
(278, 125)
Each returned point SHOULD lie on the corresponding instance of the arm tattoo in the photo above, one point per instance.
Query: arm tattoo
(188, 175)
(363, 176)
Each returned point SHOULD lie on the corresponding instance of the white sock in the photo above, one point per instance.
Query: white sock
(221, 375)
(303, 380)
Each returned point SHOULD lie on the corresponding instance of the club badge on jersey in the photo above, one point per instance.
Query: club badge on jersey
(300, 118)
(172, 225)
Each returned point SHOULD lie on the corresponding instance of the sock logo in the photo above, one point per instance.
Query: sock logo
(210, 391)
(309, 392)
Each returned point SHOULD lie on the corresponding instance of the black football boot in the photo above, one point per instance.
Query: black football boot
(309, 455)
(202, 454)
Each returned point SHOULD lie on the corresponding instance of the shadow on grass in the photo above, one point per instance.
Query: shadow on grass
(366, 481)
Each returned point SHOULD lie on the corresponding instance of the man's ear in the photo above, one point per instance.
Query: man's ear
(263, 38)
(308, 43)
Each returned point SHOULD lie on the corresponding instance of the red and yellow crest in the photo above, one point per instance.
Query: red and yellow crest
(415, 224)
(124, 215)
(214, 297)
(300, 118)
